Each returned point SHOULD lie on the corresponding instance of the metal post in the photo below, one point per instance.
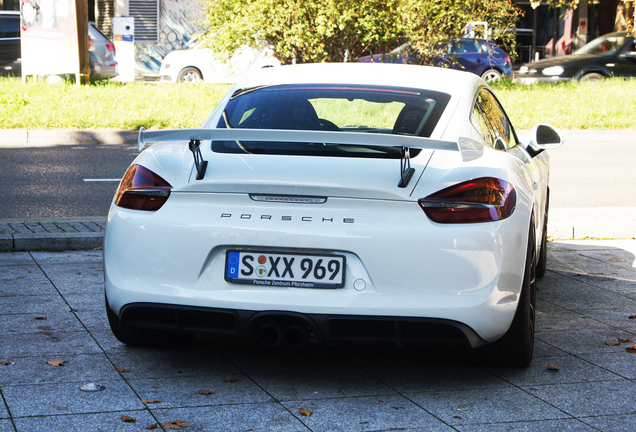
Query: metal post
(555, 30)
(534, 34)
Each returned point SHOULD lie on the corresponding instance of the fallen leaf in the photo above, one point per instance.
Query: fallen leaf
(462, 409)
(622, 340)
(553, 368)
(549, 239)
(40, 318)
(122, 370)
(632, 317)
(156, 386)
(612, 343)
(57, 363)
(457, 417)
(305, 412)
(175, 424)
(631, 349)
(152, 426)
(127, 419)
(231, 381)
(205, 392)
(574, 274)
(151, 401)
(4, 363)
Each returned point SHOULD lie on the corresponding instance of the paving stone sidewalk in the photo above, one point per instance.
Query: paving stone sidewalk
(52, 308)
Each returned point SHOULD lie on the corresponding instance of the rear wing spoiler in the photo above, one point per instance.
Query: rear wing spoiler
(327, 137)
(403, 142)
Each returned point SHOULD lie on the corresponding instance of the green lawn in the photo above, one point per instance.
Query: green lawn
(609, 105)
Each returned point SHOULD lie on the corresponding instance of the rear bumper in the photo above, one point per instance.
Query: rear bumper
(398, 263)
(105, 71)
(528, 80)
(324, 329)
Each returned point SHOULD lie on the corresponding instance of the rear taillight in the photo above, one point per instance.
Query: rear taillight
(507, 59)
(111, 47)
(141, 189)
(90, 45)
(481, 200)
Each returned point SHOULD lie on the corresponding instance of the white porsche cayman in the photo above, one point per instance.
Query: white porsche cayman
(332, 204)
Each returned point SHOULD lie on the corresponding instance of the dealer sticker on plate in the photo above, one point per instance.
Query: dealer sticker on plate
(285, 270)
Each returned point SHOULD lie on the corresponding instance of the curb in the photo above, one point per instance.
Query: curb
(51, 242)
(52, 234)
(44, 137)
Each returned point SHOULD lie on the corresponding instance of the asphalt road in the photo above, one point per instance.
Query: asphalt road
(593, 169)
(59, 180)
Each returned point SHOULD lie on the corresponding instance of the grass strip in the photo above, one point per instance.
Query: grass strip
(110, 105)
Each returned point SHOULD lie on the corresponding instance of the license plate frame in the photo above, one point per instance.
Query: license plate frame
(286, 270)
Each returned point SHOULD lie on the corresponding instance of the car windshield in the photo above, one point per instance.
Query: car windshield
(602, 46)
(368, 109)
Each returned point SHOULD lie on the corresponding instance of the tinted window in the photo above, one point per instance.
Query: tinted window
(467, 47)
(331, 108)
(9, 27)
(602, 46)
(491, 121)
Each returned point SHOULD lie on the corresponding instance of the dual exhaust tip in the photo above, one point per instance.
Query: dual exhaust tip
(272, 335)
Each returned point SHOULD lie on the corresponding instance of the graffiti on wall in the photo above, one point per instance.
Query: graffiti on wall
(179, 23)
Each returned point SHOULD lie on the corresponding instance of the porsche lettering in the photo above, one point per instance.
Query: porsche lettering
(287, 218)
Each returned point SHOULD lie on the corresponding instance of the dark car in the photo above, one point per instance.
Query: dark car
(10, 43)
(611, 55)
(479, 56)
(101, 50)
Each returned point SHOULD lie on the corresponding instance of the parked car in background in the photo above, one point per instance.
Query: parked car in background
(192, 64)
(613, 54)
(479, 56)
(10, 43)
(336, 203)
(101, 50)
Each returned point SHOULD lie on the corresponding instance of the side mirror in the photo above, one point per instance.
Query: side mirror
(544, 137)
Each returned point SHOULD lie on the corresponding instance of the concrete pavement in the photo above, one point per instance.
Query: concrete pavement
(55, 339)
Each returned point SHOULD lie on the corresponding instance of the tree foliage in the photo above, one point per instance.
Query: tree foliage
(429, 24)
(307, 31)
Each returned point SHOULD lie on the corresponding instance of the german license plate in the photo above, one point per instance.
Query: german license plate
(285, 270)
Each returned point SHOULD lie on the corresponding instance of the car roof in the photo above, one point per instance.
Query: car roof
(445, 80)
(5, 12)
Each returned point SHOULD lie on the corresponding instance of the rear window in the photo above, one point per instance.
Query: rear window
(385, 110)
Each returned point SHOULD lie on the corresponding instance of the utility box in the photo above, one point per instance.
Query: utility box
(124, 39)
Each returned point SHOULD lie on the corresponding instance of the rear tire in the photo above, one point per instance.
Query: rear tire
(592, 78)
(138, 336)
(190, 75)
(491, 75)
(516, 346)
(542, 262)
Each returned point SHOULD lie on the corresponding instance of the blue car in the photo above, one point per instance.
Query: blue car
(479, 56)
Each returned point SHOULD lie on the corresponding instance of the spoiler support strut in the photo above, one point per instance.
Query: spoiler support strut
(199, 163)
(406, 172)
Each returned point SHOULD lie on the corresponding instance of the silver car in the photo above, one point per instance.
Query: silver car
(101, 52)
